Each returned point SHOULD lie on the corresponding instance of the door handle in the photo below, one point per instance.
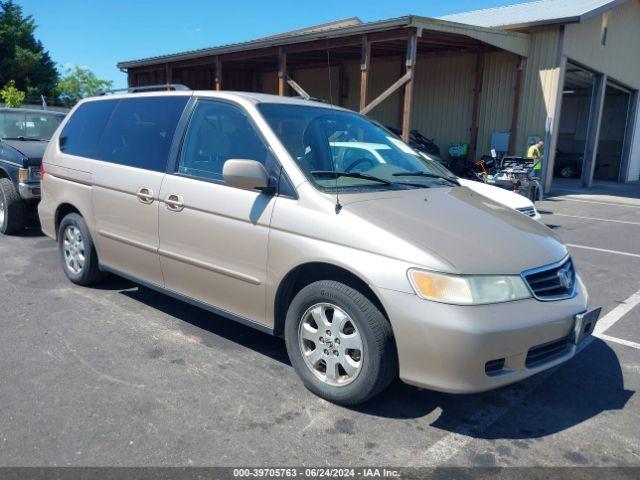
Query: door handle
(145, 195)
(174, 202)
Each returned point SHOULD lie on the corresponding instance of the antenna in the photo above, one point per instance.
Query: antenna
(333, 161)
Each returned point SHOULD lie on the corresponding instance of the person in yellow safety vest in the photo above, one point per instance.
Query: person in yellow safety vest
(535, 152)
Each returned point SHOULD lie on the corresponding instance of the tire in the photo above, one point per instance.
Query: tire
(377, 359)
(567, 172)
(13, 213)
(88, 271)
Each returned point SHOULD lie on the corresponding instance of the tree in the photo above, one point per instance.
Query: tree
(11, 96)
(78, 83)
(22, 57)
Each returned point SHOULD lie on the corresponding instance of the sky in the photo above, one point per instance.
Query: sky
(99, 33)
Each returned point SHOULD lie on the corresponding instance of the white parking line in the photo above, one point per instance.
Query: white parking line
(451, 444)
(621, 341)
(604, 250)
(597, 219)
(617, 313)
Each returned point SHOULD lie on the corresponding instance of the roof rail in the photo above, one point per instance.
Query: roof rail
(147, 88)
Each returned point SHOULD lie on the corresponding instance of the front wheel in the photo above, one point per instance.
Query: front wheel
(12, 209)
(339, 342)
(77, 252)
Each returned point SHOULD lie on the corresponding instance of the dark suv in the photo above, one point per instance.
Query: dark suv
(24, 135)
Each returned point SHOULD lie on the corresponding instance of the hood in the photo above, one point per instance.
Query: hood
(473, 233)
(33, 151)
(500, 195)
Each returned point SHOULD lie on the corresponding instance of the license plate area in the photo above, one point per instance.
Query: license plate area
(584, 324)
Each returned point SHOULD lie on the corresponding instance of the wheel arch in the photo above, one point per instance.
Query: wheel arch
(304, 274)
(62, 211)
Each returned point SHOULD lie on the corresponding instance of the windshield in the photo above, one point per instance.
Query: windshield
(28, 125)
(362, 153)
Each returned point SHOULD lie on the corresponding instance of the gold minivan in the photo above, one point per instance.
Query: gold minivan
(369, 266)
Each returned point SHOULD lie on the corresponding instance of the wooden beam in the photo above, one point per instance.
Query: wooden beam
(282, 72)
(299, 90)
(475, 109)
(365, 63)
(217, 81)
(168, 73)
(517, 94)
(412, 48)
(384, 95)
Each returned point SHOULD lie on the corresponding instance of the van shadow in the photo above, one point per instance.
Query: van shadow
(587, 385)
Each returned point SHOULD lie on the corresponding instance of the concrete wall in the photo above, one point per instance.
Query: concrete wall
(618, 58)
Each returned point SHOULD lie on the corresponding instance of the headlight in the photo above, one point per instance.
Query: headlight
(31, 174)
(468, 289)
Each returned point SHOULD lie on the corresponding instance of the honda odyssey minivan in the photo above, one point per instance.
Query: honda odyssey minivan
(243, 205)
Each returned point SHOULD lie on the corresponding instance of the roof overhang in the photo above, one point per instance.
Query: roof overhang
(514, 42)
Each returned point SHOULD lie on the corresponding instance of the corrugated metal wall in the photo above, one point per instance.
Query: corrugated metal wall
(443, 98)
(496, 100)
(539, 87)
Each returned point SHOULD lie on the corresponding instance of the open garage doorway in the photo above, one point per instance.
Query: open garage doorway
(595, 116)
(613, 128)
(574, 123)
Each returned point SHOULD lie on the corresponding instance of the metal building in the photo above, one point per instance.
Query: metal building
(563, 70)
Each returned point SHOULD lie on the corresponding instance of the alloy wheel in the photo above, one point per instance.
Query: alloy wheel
(73, 249)
(331, 344)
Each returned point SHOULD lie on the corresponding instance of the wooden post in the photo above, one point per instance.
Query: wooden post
(477, 90)
(517, 94)
(168, 74)
(282, 72)
(218, 78)
(412, 48)
(365, 62)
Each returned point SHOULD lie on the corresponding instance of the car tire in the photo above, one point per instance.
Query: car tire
(77, 251)
(12, 209)
(370, 368)
(567, 172)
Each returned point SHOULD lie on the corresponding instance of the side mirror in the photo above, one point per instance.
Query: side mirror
(245, 174)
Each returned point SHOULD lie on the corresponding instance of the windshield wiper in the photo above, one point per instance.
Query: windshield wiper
(24, 139)
(428, 175)
(364, 176)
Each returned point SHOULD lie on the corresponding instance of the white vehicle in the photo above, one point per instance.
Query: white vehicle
(362, 157)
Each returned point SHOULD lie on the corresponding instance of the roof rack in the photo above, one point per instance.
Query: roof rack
(147, 88)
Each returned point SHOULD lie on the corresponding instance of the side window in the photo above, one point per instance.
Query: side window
(81, 134)
(219, 132)
(140, 132)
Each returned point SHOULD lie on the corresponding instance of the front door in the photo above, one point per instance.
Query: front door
(213, 238)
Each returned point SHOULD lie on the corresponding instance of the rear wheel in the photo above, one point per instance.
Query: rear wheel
(339, 342)
(77, 252)
(12, 209)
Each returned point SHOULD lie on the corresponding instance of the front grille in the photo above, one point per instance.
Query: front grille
(547, 352)
(529, 211)
(553, 282)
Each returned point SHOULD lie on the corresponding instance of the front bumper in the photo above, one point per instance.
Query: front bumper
(450, 348)
(29, 191)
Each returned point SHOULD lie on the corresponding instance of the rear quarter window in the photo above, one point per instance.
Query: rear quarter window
(81, 135)
(140, 132)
